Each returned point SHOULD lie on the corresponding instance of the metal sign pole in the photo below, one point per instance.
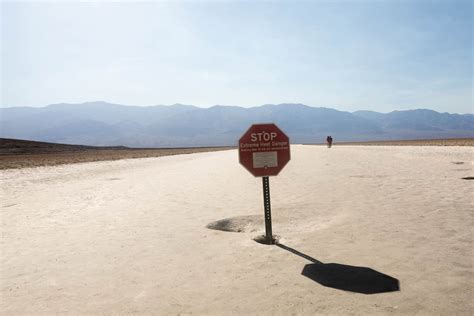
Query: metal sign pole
(268, 211)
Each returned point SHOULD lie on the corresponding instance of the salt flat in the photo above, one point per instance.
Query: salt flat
(130, 236)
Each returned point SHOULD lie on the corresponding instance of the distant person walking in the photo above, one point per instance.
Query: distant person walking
(329, 141)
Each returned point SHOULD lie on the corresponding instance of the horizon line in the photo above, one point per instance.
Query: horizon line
(223, 105)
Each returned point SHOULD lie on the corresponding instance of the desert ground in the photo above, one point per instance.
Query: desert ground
(16, 153)
(132, 236)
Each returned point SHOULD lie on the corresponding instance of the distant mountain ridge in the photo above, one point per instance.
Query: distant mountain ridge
(107, 124)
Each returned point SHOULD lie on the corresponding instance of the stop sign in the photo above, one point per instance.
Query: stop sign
(264, 150)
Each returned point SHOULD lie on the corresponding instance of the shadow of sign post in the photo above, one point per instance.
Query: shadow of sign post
(345, 277)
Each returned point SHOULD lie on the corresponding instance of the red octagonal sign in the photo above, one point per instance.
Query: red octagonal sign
(264, 150)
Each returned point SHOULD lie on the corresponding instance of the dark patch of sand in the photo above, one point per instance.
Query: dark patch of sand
(238, 224)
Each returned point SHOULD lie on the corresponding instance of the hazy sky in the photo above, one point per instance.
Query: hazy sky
(349, 55)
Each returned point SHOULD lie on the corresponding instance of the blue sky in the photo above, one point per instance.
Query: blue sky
(348, 55)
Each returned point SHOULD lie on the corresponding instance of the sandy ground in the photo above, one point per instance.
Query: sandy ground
(130, 236)
(417, 142)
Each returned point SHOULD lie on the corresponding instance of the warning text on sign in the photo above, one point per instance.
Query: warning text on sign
(263, 146)
(266, 159)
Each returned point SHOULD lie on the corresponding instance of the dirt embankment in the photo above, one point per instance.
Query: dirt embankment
(22, 154)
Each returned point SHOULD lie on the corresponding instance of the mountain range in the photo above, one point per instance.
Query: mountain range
(105, 124)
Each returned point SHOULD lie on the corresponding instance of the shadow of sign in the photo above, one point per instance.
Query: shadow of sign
(344, 277)
(350, 278)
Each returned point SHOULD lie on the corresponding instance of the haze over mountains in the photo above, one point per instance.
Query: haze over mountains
(106, 124)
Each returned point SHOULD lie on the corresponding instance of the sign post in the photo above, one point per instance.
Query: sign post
(268, 210)
(264, 150)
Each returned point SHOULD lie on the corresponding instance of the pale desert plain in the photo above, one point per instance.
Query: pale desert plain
(130, 236)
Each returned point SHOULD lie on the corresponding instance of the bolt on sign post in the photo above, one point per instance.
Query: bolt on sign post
(264, 150)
